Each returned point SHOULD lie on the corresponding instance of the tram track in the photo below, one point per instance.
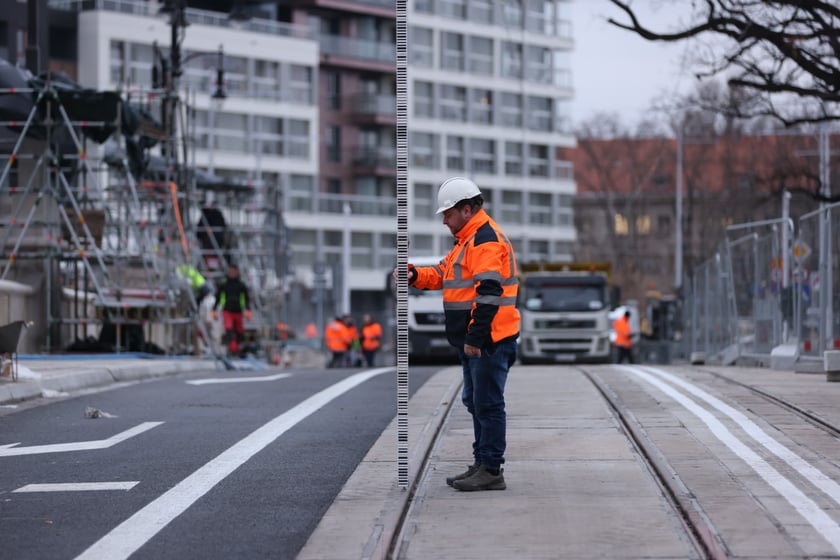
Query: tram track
(697, 527)
(806, 415)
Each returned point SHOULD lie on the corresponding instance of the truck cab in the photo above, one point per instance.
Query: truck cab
(565, 314)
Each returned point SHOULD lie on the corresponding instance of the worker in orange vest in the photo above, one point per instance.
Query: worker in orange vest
(337, 341)
(371, 338)
(623, 338)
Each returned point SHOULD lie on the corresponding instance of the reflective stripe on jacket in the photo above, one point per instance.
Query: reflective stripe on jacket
(479, 279)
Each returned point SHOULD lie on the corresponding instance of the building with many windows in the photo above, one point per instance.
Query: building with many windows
(310, 109)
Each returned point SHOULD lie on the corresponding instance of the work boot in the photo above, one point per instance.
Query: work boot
(469, 472)
(482, 479)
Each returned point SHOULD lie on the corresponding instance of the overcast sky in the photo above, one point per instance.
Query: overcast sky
(617, 71)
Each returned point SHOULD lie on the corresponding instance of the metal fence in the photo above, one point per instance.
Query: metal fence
(753, 296)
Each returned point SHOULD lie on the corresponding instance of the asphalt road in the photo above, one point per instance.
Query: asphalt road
(186, 470)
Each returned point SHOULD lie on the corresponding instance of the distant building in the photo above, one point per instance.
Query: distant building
(626, 204)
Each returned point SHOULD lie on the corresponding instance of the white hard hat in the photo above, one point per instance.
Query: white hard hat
(454, 190)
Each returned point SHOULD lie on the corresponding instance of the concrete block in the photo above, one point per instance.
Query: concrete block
(697, 358)
(784, 356)
(831, 363)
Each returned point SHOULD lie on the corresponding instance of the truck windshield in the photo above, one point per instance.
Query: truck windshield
(556, 296)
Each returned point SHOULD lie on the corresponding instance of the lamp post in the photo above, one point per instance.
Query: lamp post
(216, 101)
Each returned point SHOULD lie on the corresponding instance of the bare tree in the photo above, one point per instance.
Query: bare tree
(783, 55)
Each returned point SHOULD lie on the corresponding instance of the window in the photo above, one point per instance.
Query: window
(452, 51)
(511, 110)
(297, 139)
(539, 209)
(453, 103)
(480, 11)
(265, 82)
(333, 93)
(268, 135)
(424, 103)
(456, 9)
(361, 243)
(334, 144)
(537, 160)
(513, 158)
(455, 152)
(621, 226)
(539, 113)
(483, 155)
(643, 225)
(511, 208)
(481, 106)
(538, 66)
(117, 61)
(424, 196)
(480, 56)
(540, 16)
(301, 89)
(512, 13)
(422, 47)
(301, 195)
(423, 147)
(512, 60)
(663, 224)
(231, 132)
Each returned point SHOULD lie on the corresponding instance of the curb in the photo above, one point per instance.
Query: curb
(364, 520)
(88, 376)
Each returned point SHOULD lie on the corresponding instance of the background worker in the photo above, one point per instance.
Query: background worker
(233, 299)
(353, 356)
(479, 278)
(336, 337)
(623, 338)
(371, 338)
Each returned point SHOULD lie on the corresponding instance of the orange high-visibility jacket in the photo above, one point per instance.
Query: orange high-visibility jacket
(479, 279)
(623, 333)
(336, 336)
(371, 334)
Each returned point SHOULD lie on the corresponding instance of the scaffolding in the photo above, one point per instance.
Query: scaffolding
(103, 230)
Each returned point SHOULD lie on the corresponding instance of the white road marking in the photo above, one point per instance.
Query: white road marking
(806, 507)
(8, 445)
(79, 445)
(237, 379)
(803, 467)
(78, 486)
(138, 529)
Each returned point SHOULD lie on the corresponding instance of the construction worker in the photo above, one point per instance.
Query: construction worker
(337, 341)
(479, 278)
(371, 338)
(198, 283)
(623, 338)
(233, 299)
(352, 357)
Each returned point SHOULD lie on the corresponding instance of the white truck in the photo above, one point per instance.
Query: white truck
(426, 321)
(565, 310)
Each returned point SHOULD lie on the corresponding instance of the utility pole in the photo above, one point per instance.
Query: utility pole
(678, 225)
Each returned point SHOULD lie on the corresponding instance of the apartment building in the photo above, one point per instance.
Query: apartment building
(310, 108)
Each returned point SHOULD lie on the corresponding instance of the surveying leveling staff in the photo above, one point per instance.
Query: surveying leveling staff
(479, 279)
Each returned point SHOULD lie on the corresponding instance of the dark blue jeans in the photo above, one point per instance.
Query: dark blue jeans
(484, 397)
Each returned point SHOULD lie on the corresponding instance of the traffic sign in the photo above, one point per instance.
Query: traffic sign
(801, 250)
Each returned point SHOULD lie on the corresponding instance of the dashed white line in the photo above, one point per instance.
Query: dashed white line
(78, 486)
(237, 379)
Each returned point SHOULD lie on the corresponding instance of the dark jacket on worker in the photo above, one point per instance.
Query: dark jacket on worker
(233, 296)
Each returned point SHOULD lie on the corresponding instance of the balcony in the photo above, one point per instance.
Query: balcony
(374, 161)
(360, 205)
(356, 53)
(384, 8)
(371, 108)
